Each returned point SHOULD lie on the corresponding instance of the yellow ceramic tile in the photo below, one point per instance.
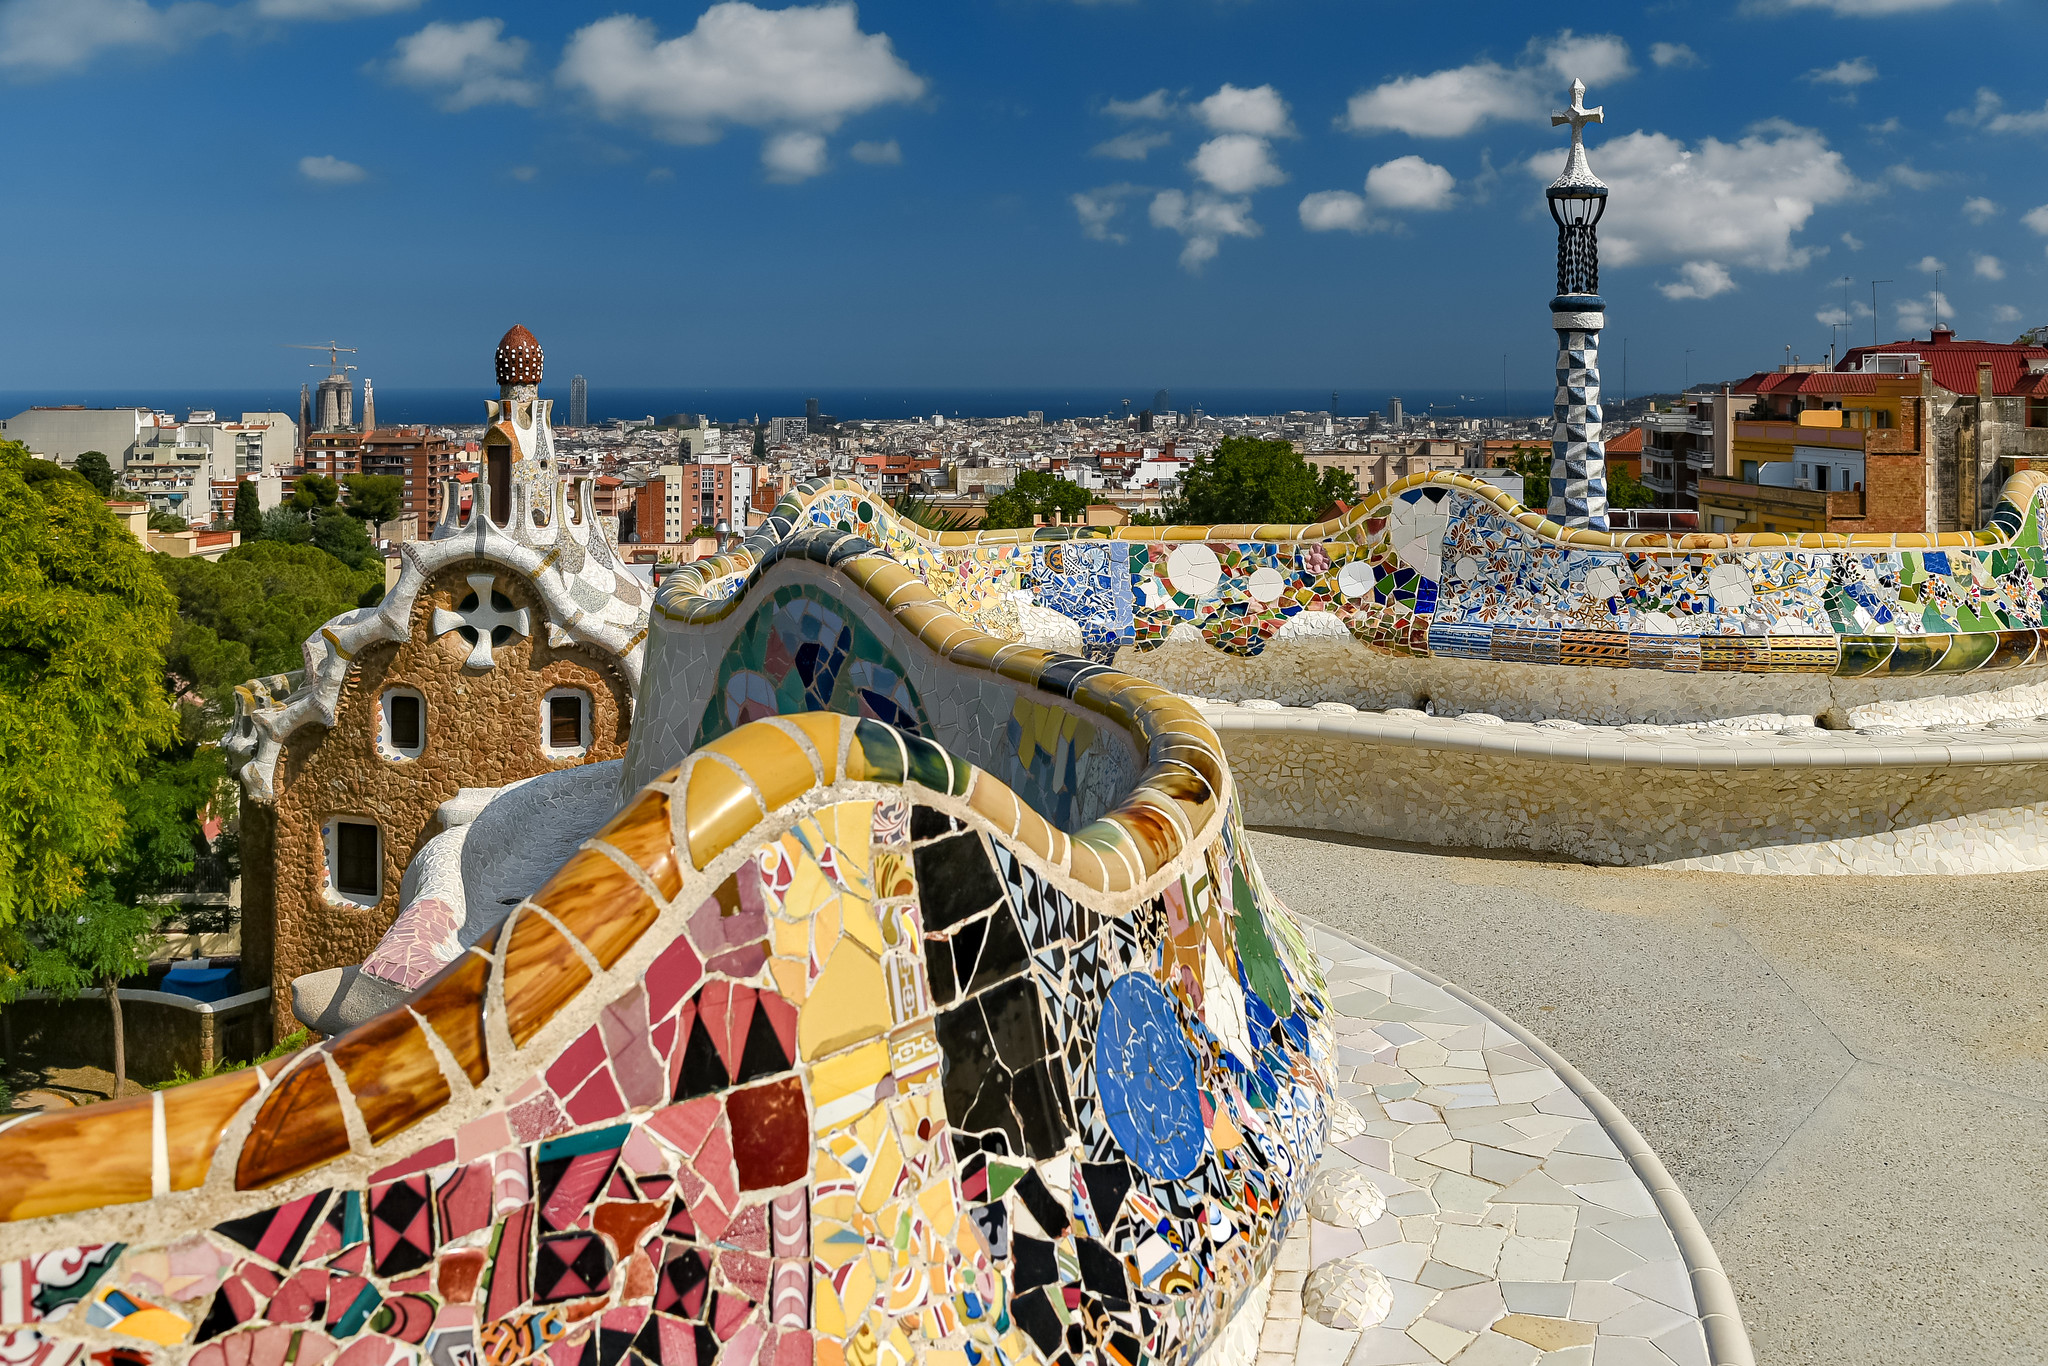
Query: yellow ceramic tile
(720, 808)
(809, 888)
(914, 1054)
(893, 874)
(857, 921)
(847, 1004)
(826, 1315)
(936, 1200)
(792, 976)
(843, 1085)
(789, 939)
(860, 1290)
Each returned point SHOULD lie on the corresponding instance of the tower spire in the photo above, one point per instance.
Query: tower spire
(1578, 456)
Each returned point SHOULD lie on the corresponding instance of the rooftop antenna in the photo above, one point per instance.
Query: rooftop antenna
(1937, 300)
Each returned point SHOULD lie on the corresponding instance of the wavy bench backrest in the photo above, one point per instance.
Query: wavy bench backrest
(1444, 564)
(828, 1047)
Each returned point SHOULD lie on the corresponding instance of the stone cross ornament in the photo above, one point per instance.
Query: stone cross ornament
(486, 618)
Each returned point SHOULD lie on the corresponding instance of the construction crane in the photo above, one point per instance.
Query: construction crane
(335, 351)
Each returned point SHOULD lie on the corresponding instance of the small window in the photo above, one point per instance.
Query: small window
(405, 724)
(565, 722)
(355, 861)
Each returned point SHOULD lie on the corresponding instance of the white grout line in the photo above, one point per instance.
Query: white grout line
(1719, 1314)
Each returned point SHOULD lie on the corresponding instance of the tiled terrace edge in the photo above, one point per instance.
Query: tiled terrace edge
(1721, 1317)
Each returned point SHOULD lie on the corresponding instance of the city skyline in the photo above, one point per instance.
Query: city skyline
(1027, 195)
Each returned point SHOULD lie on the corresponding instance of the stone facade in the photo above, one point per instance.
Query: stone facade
(483, 728)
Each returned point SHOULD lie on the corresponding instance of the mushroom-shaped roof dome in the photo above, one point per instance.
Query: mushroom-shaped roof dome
(519, 357)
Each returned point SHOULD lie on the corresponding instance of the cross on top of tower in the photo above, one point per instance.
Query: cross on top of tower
(1578, 175)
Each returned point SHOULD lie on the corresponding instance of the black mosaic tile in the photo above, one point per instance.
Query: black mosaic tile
(954, 880)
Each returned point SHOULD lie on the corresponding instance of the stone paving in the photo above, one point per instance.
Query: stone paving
(1470, 1207)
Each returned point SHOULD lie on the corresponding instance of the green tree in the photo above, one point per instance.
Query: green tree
(286, 525)
(312, 492)
(92, 944)
(760, 442)
(84, 618)
(246, 614)
(160, 520)
(1533, 464)
(95, 470)
(248, 510)
(374, 498)
(1248, 481)
(1624, 490)
(1036, 494)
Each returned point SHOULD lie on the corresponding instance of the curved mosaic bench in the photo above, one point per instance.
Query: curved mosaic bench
(827, 1047)
(1446, 566)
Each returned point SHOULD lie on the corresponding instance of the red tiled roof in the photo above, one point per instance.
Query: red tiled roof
(1822, 382)
(1953, 363)
(1629, 442)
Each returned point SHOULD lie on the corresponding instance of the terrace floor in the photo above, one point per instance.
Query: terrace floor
(1848, 1077)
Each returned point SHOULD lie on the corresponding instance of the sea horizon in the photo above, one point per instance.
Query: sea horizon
(733, 405)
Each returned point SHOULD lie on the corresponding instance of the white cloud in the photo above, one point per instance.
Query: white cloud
(1157, 105)
(1410, 183)
(2037, 219)
(1850, 9)
(1698, 280)
(1673, 55)
(1237, 163)
(797, 154)
(1831, 317)
(1917, 315)
(2005, 313)
(1979, 210)
(1259, 112)
(1135, 145)
(888, 153)
(525, 175)
(1335, 211)
(1928, 265)
(1098, 209)
(331, 170)
(1848, 74)
(1852, 241)
(1455, 101)
(1204, 220)
(1989, 114)
(1912, 178)
(331, 9)
(796, 73)
(1884, 129)
(471, 64)
(1728, 204)
(1988, 267)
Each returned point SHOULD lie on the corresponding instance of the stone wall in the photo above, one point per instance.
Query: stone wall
(483, 729)
(1878, 818)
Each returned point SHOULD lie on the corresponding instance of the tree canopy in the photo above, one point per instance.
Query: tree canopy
(94, 468)
(247, 613)
(248, 509)
(1036, 494)
(1248, 481)
(84, 619)
(374, 498)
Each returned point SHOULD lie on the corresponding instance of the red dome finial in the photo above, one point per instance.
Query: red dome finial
(519, 357)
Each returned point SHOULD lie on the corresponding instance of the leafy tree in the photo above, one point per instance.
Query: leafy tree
(925, 511)
(1533, 464)
(1034, 495)
(93, 943)
(248, 510)
(760, 442)
(374, 498)
(247, 613)
(94, 468)
(1248, 481)
(286, 525)
(312, 492)
(167, 521)
(1624, 490)
(1147, 519)
(83, 623)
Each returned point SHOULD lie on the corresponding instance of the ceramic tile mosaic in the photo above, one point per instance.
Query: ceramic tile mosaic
(1444, 565)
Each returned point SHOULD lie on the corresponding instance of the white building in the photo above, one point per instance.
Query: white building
(63, 434)
(258, 442)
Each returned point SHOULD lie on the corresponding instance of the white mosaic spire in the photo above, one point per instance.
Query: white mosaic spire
(1578, 456)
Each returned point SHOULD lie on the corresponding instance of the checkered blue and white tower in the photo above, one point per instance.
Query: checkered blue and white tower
(1578, 457)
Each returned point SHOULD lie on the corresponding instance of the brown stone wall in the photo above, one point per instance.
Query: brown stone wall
(1894, 493)
(483, 729)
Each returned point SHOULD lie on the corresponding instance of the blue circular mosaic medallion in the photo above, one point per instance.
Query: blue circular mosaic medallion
(1145, 1077)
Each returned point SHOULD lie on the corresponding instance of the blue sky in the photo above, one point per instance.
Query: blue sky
(1126, 192)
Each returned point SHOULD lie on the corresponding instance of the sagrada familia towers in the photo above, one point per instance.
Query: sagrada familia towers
(1578, 458)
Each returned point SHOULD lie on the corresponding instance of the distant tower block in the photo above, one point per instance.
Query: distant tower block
(369, 407)
(1578, 457)
(1394, 412)
(579, 402)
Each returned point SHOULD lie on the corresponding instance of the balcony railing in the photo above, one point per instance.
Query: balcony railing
(1763, 499)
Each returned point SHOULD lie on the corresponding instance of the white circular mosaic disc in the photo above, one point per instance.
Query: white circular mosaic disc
(1194, 570)
(1729, 586)
(1602, 582)
(1265, 584)
(1354, 580)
